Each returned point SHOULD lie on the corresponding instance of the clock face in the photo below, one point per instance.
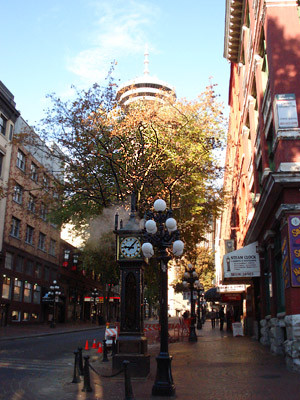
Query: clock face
(295, 221)
(130, 247)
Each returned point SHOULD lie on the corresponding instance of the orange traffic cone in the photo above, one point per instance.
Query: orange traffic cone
(94, 344)
(99, 348)
(86, 345)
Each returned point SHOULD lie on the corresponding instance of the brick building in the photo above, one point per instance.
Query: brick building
(32, 251)
(262, 44)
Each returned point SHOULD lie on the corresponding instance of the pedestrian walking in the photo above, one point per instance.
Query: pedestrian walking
(222, 318)
(213, 318)
(228, 319)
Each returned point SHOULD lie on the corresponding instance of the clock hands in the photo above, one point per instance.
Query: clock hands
(131, 246)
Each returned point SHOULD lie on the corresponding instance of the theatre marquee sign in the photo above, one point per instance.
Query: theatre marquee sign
(242, 263)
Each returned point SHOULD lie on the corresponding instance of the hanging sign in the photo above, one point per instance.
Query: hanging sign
(294, 249)
(285, 111)
(242, 263)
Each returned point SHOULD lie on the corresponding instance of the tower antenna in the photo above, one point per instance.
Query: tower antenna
(146, 61)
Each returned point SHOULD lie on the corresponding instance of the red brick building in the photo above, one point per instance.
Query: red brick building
(262, 44)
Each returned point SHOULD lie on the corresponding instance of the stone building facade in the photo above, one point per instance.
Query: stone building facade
(262, 44)
(33, 254)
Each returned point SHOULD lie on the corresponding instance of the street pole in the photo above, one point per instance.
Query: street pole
(193, 335)
(199, 323)
(161, 232)
(164, 385)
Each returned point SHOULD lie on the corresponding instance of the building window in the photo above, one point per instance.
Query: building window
(8, 260)
(27, 292)
(26, 316)
(47, 274)
(42, 241)
(19, 264)
(16, 316)
(18, 290)
(31, 203)
(15, 227)
(52, 247)
(21, 160)
(3, 122)
(38, 271)
(6, 287)
(36, 294)
(1, 163)
(43, 211)
(29, 268)
(34, 316)
(29, 234)
(18, 194)
(46, 181)
(34, 172)
(11, 132)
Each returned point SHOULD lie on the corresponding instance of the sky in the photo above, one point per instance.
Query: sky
(48, 46)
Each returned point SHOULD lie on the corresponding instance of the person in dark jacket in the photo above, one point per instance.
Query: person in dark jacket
(222, 318)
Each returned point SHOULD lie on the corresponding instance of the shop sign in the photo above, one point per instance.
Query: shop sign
(294, 250)
(242, 263)
(232, 288)
(226, 297)
(285, 110)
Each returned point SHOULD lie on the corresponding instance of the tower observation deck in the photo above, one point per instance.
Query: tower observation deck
(146, 88)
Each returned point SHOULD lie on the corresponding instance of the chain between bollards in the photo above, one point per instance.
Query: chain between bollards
(86, 375)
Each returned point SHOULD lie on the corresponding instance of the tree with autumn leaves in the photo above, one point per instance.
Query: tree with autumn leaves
(169, 150)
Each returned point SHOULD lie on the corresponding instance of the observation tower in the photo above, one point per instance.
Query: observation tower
(146, 88)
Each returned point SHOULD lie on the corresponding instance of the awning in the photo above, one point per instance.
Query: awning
(212, 294)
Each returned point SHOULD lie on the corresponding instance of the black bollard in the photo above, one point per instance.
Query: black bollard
(128, 387)
(86, 376)
(113, 346)
(104, 359)
(80, 361)
(76, 378)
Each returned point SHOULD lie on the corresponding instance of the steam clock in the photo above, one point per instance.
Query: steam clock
(131, 344)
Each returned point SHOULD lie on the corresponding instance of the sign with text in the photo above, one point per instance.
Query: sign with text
(227, 297)
(242, 263)
(285, 111)
(294, 247)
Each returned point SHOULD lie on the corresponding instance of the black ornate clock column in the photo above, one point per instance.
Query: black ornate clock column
(131, 344)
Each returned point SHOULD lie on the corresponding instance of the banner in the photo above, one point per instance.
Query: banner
(294, 247)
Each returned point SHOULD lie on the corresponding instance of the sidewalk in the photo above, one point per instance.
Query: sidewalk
(217, 367)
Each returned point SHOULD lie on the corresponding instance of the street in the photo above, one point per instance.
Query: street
(32, 368)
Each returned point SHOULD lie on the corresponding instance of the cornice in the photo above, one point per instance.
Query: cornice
(233, 27)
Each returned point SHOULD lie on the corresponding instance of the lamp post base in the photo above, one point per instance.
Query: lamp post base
(193, 335)
(199, 323)
(163, 385)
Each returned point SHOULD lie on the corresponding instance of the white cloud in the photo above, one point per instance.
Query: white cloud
(119, 30)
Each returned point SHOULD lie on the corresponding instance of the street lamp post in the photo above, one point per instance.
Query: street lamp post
(95, 295)
(200, 291)
(54, 294)
(161, 232)
(191, 281)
